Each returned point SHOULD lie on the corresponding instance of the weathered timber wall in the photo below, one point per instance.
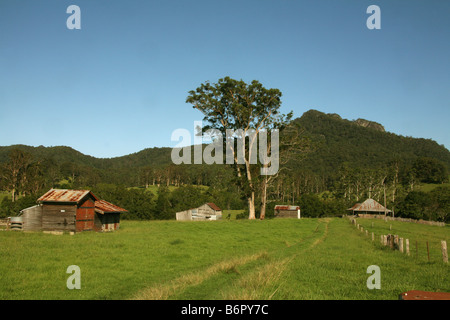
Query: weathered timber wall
(58, 217)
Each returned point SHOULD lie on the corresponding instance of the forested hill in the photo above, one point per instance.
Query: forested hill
(65, 162)
(360, 143)
(62, 154)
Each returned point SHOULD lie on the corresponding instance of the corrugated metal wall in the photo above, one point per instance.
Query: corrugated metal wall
(32, 218)
(85, 216)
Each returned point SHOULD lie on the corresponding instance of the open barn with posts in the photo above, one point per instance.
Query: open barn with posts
(368, 207)
(65, 210)
(208, 211)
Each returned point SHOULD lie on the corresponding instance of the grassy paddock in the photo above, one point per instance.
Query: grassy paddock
(232, 213)
(427, 187)
(4, 194)
(236, 259)
(154, 188)
(418, 234)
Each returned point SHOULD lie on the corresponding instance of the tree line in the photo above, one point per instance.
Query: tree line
(25, 179)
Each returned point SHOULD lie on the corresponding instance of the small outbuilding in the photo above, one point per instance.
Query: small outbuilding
(68, 210)
(208, 211)
(287, 211)
(71, 211)
(107, 216)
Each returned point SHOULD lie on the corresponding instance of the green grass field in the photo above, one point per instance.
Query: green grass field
(427, 187)
(237, 259)
(154, 188)
(232, 214)
(417, 234)
(4, 194)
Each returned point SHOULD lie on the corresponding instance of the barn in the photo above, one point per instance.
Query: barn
(71, 211)
(286, 211)
(208, 211)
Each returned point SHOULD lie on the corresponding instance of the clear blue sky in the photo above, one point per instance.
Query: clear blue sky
(120, 83)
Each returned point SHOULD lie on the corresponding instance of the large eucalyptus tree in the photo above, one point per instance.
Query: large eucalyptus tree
(248, 110)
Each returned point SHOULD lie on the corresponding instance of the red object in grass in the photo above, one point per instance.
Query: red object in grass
(424, 295)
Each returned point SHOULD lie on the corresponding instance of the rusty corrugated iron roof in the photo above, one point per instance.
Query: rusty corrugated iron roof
(357, 205)
(102, 206)
(213, 206)
(65, 195)
(369, 205)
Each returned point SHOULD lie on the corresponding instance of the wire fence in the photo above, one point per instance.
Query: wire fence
(419, 249)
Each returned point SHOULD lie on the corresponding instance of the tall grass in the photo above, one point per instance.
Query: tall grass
(235, 259)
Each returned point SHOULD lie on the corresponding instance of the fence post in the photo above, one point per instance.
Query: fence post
(407, 246)
(444, 251)
(373, 236)
(400, 244)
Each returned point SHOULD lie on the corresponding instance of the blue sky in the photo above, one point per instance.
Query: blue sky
(119, 84)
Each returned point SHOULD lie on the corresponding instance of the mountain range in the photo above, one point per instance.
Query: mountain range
(357, 143)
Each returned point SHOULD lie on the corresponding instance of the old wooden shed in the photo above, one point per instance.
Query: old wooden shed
(71, 211)
(208, 211)
(286, 211)
(68, 210)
